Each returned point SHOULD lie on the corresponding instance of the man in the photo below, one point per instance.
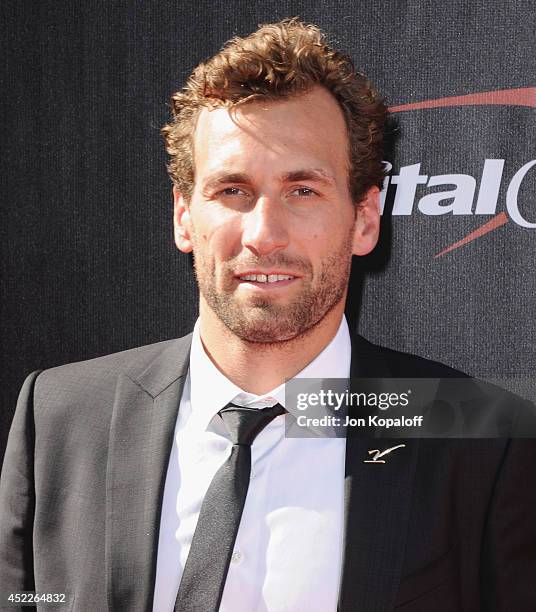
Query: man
(116, 467)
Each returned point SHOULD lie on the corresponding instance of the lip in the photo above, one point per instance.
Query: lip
(266, 286)
(266, 272)
(263, 287)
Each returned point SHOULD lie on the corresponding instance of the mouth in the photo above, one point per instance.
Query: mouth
(266, 278)
(269, 280)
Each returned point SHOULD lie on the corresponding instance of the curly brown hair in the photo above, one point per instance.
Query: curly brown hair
(277, 61)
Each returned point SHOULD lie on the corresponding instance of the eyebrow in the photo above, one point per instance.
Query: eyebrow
(306, 174)
(225, 178)
(310, 174)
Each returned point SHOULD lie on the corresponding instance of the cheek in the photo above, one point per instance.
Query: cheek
(338, 228)
(333, 237)
(224, 239)
(213, 229)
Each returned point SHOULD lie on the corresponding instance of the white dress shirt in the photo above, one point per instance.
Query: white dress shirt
(287, 554)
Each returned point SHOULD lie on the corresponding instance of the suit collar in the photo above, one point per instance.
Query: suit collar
(377, 506)
(164, 369)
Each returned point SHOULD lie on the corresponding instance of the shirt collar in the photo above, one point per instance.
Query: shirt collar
(211, 390)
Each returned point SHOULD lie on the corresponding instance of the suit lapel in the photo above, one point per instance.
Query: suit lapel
(377, 507)
(141, 436)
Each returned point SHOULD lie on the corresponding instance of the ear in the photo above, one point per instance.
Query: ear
(181, 222)
(367, 223)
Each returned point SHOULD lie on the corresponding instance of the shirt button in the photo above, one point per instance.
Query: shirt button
(236, 557)
(252, 474)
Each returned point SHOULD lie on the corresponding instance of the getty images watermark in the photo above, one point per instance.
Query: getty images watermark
(328, 398)
(406, 408)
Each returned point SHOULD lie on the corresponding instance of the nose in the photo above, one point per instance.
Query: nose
(265, 227)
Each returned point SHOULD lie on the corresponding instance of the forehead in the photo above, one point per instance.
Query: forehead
(308, 128)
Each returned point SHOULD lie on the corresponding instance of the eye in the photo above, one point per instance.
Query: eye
(232, 191)
(303, 191)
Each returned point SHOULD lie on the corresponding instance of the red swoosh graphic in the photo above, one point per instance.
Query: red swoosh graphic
(494, 223)
(525, 96)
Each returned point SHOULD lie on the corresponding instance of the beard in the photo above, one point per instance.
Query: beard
(261, 320)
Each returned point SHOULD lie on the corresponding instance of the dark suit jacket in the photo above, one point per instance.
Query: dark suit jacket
(444, 526)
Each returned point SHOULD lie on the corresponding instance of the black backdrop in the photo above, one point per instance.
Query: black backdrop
(88, 261)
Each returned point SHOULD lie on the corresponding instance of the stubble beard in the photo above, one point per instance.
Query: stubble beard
(262, 320)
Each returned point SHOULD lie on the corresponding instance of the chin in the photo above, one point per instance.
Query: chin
(264, 326)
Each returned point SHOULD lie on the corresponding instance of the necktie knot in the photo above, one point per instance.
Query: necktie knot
(244, 424)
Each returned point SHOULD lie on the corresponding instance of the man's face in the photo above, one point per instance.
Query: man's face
(270, 221)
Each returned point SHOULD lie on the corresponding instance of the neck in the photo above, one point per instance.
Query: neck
(259, 367)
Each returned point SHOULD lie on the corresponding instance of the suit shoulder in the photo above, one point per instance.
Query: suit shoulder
(406, 365)
(102, 372)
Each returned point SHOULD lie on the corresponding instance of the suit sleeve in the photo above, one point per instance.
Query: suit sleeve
(17, 499)
(509, 549)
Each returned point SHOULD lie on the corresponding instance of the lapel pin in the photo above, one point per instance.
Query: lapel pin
(376, 454)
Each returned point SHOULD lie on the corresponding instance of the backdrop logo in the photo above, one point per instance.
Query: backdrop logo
(461, 200)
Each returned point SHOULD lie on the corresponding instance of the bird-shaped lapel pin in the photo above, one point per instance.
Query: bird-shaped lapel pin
(377, 454)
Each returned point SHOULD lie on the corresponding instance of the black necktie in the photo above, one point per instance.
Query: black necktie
(206, 567)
